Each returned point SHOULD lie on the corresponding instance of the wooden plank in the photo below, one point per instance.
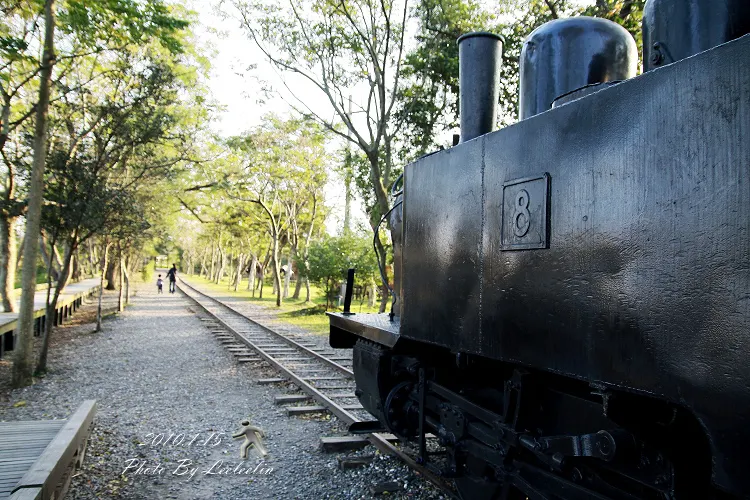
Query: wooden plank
(27, 494)
(47, 472)
(72, 292)
(333, 444)
(290, 398)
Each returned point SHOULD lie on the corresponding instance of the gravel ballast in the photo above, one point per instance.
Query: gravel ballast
(156, 371)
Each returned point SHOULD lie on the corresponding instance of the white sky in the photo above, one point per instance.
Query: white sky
(239, 90)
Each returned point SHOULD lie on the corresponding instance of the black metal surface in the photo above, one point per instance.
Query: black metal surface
(397, 238)
(676, 29)
(645, 282)
(566, 54)
(376, 327)
(348, 294)
(582, 92)
(480, 57)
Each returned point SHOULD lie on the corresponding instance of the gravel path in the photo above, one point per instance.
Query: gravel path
(156, 371)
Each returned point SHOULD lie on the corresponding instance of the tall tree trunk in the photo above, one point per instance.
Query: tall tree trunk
(288, 275)
(101, 288)
(298, 286)
(238, 278)
(110, 274)
(251, 274)
(262, 275)
(51, 306)
(75, 268)
(121, 284)
(92, 259)
(7, 264)
(373, 295)
(220, 272)
(203, 262)
(23, 362)
(213, 261)
(276, 270)
(126, 278)
(305, 253)
(51, 259)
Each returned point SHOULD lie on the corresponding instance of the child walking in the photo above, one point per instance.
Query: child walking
(159, 284)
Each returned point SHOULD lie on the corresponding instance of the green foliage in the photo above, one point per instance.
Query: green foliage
(147, 273)
(429, 103)
(134, 22)
(627, 13)
(331, 257)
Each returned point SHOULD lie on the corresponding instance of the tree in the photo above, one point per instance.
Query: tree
(109, 133)
(340, 47)
(428, 102)
(22, 368)
(282, 171)
(98, 29)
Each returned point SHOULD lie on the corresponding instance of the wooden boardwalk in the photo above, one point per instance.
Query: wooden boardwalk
(37, 458)
(69, 301)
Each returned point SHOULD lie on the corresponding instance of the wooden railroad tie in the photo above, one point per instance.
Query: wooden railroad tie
(247, 359)
(290, 398)
(354, 462)
(303, 410)
(267, 381)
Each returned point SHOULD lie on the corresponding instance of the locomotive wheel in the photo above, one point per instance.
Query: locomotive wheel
(396, 418)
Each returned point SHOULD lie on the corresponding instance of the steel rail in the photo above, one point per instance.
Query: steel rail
(378, 440)
(349, 373)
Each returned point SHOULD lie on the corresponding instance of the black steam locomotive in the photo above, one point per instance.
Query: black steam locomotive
(574, 316)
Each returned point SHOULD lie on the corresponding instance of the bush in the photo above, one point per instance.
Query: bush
(330, 258)
(147, 273)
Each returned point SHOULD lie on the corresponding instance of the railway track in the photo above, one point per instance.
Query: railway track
(324, 374)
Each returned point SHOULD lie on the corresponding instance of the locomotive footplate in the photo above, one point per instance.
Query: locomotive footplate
(345, 329)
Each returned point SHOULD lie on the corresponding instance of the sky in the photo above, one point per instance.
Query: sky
(236, 85)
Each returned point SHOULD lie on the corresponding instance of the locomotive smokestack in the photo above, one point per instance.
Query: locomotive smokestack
(479, 57)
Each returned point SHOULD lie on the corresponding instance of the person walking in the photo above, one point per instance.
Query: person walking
(159, 283)
(172, 275)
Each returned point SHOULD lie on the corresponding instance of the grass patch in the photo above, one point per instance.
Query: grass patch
(308, 315)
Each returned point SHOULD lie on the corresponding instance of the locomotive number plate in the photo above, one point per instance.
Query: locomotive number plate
(525, 214)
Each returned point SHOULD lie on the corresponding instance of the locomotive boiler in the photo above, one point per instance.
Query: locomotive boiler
(574, 313)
